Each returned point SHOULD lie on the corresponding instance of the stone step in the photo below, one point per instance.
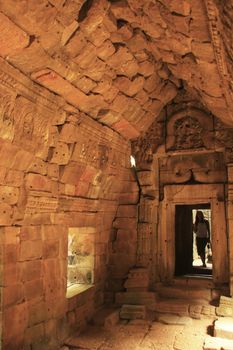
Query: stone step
(184, 307)
(193, 282)
(189, 293)
(133, 312)
(214, 343)
(136, 298)
(223, 328)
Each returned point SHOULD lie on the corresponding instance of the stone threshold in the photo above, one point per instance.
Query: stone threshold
(77, 289)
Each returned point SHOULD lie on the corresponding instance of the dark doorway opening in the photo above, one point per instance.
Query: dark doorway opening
(187, 260)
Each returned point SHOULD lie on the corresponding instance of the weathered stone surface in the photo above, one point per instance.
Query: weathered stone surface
(213, 343)
(133, 312)
(223, 328)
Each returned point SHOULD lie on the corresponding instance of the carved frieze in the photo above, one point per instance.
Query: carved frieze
(202, 168)
(41, 204)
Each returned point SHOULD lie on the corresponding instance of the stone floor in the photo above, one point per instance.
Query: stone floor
(167, 332)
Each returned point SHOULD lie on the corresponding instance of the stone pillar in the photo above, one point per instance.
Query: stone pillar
(147, 222)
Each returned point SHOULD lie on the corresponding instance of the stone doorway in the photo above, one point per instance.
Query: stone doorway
(187, 261)
(193, 195)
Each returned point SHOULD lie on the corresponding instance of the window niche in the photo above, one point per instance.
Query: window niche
(80, 260)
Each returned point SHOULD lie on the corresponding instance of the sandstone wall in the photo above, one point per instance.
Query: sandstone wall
(58, 169)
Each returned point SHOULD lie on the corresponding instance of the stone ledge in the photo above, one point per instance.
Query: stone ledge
(76, 289)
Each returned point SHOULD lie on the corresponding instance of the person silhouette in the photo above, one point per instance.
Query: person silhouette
(201, 228)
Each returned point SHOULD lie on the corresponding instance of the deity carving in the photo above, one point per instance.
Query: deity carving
(188, 133)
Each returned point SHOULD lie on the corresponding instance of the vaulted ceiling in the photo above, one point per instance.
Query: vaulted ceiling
(122, 62)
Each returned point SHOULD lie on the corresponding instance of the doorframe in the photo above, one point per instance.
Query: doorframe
(186, 195)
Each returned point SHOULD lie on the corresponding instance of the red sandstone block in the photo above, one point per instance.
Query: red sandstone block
(125, 129)
(38, 182)
(50, 249)
(6, 213)
(30, 250)
(125, 223)
(69, 133)
(14, 178)
(15, 321)
(129, 198)
(33, 289)
(11, 253)
(38, 313)
(12, 235)
(11, 274)
(72, 173)
(127, 211)
(30, 270)
(13, 294)
(12, 38)
(30, 233)
(35, 334)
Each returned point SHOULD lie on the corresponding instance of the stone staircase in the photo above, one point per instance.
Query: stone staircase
(188, 296)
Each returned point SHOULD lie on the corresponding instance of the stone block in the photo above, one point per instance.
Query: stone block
(125, 223)
(13, 294)
(6, 214)
(12, 235)
(33, 289)
(225, 307)
(133, 312)
(128, 198)
(15, 321)
(38, 182)
(135, 298)
(38, 312)
(11, 253)
(213, 343)
(38, 166)
(105, 50)
(29, 270)
(12, 38)
(30, 250)
(223, 328)
(50, 249)
(14, 178)
(53, 171)
(11, 274)
(61, 154)
(35, 334)
(32, 233)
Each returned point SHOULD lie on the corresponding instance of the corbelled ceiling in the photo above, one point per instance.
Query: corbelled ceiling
(122, 62)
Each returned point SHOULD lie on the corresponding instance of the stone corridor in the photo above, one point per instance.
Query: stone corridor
(116, 127)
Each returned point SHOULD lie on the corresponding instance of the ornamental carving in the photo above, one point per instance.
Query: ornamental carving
(6, 116)
(32, 127)
(188, 133)
(144, 147)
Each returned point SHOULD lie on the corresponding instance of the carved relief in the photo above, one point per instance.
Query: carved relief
(103, 156)
(32, 127)
(144, 147)
(7, 101)
(189, 129)
(188, 133)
